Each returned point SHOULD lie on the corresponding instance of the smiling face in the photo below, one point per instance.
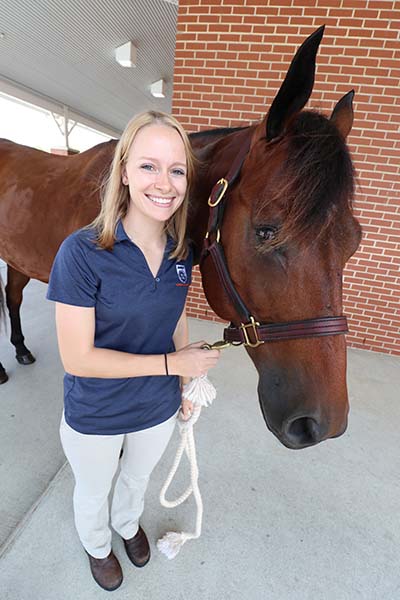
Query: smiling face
(156, 173)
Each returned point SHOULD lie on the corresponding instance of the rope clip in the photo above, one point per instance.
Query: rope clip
(220, 345)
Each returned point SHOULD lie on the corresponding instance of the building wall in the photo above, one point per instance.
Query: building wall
(231, 56)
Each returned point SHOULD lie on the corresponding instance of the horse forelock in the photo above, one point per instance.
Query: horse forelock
(313, 182)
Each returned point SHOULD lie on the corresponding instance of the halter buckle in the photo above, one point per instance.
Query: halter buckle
(221, 194)
(253, 324)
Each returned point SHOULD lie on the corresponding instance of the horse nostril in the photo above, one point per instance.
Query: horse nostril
(302, 431)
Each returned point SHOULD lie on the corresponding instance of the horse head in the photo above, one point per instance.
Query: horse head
(287, 233)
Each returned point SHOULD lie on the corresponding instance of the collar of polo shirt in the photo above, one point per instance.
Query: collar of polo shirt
(121, 235)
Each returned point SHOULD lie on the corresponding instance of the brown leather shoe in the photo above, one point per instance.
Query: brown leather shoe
(138, 549)
(106, 572)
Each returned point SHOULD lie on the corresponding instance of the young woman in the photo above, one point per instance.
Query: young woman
(120, 287)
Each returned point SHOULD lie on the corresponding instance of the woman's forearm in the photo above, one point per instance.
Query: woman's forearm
(102, 362)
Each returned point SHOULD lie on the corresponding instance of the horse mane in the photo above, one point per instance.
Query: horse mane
(221, 131)
(315, 180)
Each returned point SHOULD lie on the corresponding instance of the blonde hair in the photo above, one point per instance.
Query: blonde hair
(115, 196)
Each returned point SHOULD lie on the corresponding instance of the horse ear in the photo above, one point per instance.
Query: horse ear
(342, 115)
(297, 86)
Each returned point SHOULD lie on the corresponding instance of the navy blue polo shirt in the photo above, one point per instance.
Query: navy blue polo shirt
(134, 312)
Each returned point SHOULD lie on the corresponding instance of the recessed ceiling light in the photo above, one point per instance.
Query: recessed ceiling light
(125, 55)
(157, 89)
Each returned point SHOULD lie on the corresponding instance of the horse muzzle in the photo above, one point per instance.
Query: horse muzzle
(301, 432)
(297, 427)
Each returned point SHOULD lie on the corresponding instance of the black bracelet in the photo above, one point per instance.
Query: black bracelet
(166, 364)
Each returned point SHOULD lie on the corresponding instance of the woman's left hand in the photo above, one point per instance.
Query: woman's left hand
(186, 409)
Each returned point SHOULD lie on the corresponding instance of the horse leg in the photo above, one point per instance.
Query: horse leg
(3, 374)
(16, 282)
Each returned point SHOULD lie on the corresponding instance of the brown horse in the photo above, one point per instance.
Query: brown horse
(286, 227)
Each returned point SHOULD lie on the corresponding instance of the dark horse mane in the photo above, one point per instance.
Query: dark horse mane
(214, 132)
(316, 178)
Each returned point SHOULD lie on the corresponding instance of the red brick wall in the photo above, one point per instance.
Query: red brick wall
(231, 56)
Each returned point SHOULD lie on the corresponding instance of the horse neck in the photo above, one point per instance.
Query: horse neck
(215, 154)
(95, 161)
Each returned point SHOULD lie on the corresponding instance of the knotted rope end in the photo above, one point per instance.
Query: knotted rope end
(200, 391)
(171, 543)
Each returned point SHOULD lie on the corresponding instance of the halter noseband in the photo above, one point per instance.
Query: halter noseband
(250, 332)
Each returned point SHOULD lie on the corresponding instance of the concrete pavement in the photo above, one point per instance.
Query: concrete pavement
(321, 524)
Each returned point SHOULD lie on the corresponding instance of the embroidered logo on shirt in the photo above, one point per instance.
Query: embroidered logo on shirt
(182, 275)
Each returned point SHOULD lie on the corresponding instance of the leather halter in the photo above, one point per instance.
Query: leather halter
(250, 332)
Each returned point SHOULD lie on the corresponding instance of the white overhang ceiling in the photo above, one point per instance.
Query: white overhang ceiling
(57, 53)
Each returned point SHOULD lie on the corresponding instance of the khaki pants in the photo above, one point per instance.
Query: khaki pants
(94, 461)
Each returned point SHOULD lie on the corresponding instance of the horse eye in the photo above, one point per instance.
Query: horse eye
(266, 234)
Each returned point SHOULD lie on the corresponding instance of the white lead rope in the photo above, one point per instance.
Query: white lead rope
(201, 392)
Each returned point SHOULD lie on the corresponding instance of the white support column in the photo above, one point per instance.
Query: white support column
(64, 125)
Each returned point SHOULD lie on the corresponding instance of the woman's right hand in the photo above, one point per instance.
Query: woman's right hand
(192, 360)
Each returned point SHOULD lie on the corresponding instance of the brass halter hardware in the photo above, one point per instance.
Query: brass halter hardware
(220, 345)
(253, 324)
(223, 182)
(218, 237)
